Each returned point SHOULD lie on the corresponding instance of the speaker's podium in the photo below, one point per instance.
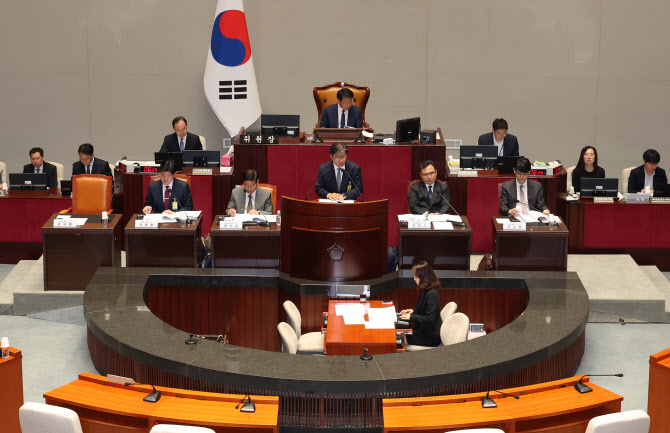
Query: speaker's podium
(334, 241)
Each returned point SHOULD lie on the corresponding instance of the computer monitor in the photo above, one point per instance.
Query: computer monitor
(283, 125)
(407, 130)
(201, 158)
(507, 164)
(177, 157)
(662, 190)
(32, 181)
(599, 187)
(479, 157)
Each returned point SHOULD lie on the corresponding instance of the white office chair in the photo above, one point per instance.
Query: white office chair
(112, 167)
(453, 330)
(448, 310)
(173, 428)
(311, 342)
(203, 142)
(569, 178)
(3, 169)
(59, 171)
(289, 342)
(625, 174)
(40, 418)
(632, 421)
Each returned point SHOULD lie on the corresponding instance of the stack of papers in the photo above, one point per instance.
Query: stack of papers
(78, 221)
(244, 217)
(325, 200)
(349, 308)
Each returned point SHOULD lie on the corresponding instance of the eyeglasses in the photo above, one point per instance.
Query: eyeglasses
(432, 173)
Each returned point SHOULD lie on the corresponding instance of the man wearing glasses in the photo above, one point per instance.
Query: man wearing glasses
(250, 199)
(339, 179)
(39, 165)
(428, 195)
(181, 139)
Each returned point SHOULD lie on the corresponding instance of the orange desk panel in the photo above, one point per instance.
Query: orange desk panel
(11, 397)
(344, 339)
(659, 387)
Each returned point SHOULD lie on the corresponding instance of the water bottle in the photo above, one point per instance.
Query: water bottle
(278, 218)
(105, 219)
(5, 347)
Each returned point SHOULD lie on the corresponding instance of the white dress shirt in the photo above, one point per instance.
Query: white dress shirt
(39, 169)
(649, 180)
(339, 116)
(163, 196)
(499, 144)
(253, 201)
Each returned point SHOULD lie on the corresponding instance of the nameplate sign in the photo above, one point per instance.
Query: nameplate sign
(230, 225)
(146, 224)
(511, 225)
(259, 139)
(65, 222)
(467, 173)
(418, 225)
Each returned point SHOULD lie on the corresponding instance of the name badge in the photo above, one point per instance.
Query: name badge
(230, 225)
(511, 225)
(418, 225)
(145, 224)
(65, 222)
(175, 206)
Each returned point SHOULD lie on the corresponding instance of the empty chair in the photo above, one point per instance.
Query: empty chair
(289, 341)
(632, 421)
(203, 142)
(40, 418)
(311, 342)
(448, 310)
(59, 172)
(569, 177)
(625, 174)
(173, 428)
(3, 170)
(453, 330)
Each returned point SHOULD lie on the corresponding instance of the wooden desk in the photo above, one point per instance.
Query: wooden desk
(11, 397)
(73, 254)
(659, 387)
(547, 407)
(105, 407)
(22, 215)
(443, 249)
(168, 245)
(344, 339)
(536, 249)
(477, 197)
(640, 230)
(249, 247)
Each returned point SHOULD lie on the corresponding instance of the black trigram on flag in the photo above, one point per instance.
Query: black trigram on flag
(233, 89)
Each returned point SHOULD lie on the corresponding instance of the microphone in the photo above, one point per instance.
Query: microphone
(531, 207)
(425, 216)
(455, 223)
(317, 181)
(260, 222)
(353, 183)
(188, 220)
(248, 406)
(583, 389)
(152, 397)
(488, 403)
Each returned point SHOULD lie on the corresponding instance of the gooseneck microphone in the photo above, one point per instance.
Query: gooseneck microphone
(247, 404)
(188, 219)
(583, 389)
(353, 183)
(261, 222)
(455, 223)
(317, 181)
(488, 403)
(153, 397)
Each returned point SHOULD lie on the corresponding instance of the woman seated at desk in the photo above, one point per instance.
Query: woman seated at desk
(587, 167)
(426, 314)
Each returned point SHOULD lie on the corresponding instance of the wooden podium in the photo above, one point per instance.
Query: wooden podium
(334, 241)
(333, 135)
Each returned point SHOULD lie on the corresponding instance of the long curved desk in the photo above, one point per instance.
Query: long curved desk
(128, 310)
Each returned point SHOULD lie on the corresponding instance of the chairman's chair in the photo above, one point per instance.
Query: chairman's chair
(41, 418)
(311, 342)
(448, 311)
(3, 169)
(327, 95)
(173, 428)
(632, 421)
(272, 189)
(453, 330)
(569, 176)
(112, 167)
(625, 174)
(59, 171)
(203, 142)
(91, 194)
(179, 176)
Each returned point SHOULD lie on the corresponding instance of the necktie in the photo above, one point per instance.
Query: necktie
(166, 201)
(181, 144)
(250, 204)
(339, 179)
(430, 193)
(342, 120)
(522, 199)
(88, 169)
(39, 170)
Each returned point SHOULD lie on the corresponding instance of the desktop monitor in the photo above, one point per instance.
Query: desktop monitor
(662, 190)
(31, 181)
(479, 157)
(599, 187)
(282, 125)
(201, 158)
(407, 130)
(507, 164)
(177, 157)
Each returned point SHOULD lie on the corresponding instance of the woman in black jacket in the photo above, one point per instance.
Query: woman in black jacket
(426, 314)
(587, 166)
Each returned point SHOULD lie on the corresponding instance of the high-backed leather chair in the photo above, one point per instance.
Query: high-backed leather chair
(183, 177)
(59, 172)
(327, 95)
(569, 177)
(3, 169)
(625, 174)
(272, 189)
(412, 182)
(91, 194)
(203, 142)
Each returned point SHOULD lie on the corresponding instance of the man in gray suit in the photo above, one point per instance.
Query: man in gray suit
(528, 195)
(250, 199)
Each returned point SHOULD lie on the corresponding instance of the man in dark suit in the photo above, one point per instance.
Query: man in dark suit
(39, 165)
(250, 199)
(528, 194)
(343, 114)
(89, 164)
(507, 144)
(648, 174)
(428, 195)
(339, 179)
(168, 195)
(181, 139)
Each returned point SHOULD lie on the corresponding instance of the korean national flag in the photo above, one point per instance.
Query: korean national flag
(230, 79)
